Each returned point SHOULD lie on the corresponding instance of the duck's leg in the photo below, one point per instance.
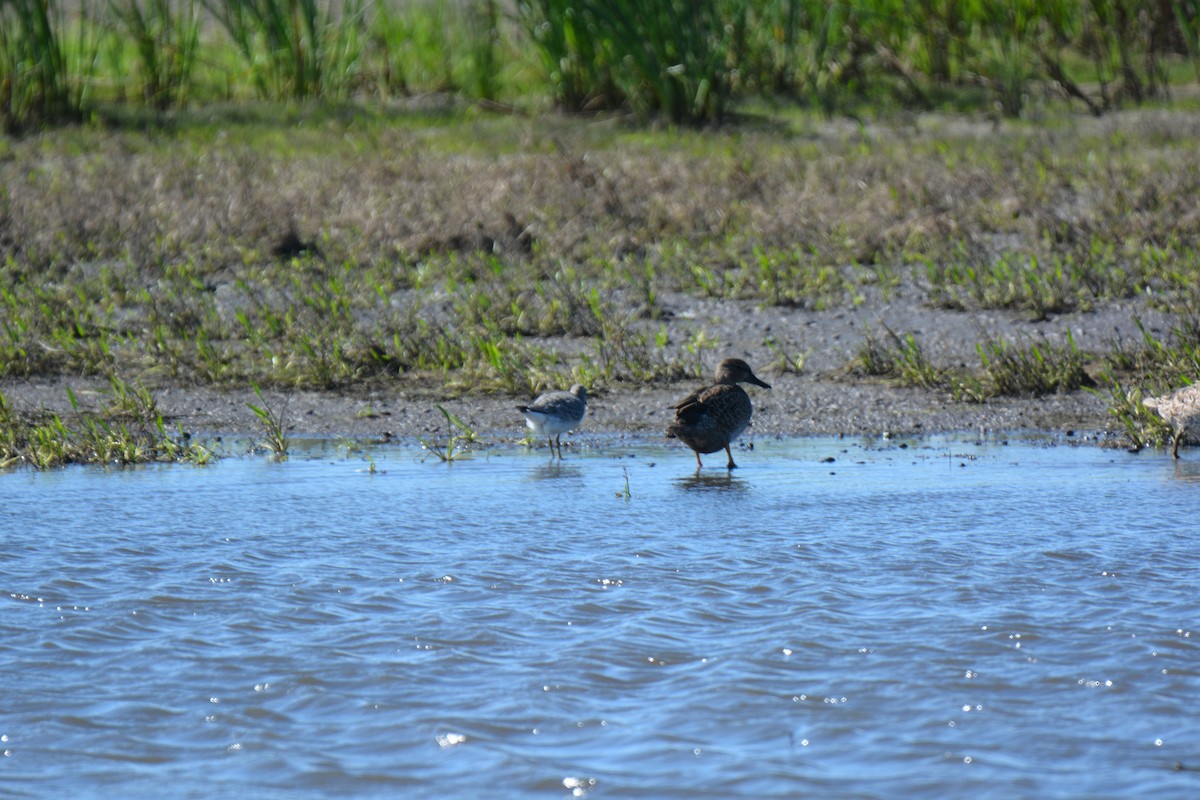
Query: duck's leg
(729, 452)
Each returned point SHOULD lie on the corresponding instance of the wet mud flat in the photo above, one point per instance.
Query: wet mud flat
(826, 397)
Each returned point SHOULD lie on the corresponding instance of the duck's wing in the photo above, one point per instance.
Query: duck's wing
(701, 401)
(690, 400)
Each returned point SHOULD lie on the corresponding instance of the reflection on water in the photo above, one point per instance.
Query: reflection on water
(716, 480)
(928, 618)
(556, 470)
(1187, 470)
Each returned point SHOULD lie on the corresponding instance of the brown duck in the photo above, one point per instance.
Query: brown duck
(711, 418)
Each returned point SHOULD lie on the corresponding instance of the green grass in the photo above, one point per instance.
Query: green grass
(129, 431)
(457, 443)
(273, 422)
(1032, 369)
(1006, 368)
(686, 62)
(164, 37)
(899, 358)
(48, 63)
(296, 48)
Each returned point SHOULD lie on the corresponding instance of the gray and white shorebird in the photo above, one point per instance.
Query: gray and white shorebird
(554, 413)
(1181, 410)
(710, 418)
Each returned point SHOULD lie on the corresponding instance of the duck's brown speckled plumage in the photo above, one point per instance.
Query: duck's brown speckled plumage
(1181, 410)
(711, 418)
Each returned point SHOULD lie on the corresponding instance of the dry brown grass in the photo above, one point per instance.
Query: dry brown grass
(391, 194)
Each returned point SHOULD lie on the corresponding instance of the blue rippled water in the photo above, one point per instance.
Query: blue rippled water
(944, 618)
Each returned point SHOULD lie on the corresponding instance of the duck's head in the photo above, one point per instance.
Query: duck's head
(734, 370)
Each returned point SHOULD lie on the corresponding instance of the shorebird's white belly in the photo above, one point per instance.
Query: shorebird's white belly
(549, 424)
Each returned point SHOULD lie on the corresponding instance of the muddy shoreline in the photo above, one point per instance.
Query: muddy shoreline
(826, 397)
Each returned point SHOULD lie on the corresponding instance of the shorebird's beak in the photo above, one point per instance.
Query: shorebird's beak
(751, 379)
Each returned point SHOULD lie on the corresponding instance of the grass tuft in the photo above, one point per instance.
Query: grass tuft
(274, 425)
(1034, 369)
(451, 451)
(897, 357)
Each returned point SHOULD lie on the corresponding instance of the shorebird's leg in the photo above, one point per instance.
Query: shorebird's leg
(699, 463)
(558, 443)
(1175, 440)
(729, 452)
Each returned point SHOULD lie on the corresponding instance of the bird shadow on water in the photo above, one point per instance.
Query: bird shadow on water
(712, 481)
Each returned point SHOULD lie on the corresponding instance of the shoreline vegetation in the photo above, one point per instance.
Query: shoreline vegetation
(689, 61)
(220, 243)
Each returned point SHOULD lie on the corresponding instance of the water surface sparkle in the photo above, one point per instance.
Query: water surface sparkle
(946, 618)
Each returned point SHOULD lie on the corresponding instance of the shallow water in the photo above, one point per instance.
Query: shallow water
(948, 618)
